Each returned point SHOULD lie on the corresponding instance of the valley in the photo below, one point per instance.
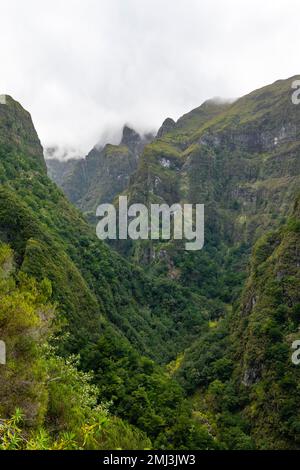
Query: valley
(148, 344)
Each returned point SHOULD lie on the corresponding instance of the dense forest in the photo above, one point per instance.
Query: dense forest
(143, 345)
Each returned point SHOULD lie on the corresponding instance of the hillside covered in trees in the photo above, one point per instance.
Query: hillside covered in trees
(142, 344)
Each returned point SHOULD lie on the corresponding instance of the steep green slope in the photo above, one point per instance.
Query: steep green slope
(231, 331)
(243, 367)
(17, 131)
(268, 324)
(242, 160)
(52, 239)
(58, 403)
(244, 165)
(114, 313)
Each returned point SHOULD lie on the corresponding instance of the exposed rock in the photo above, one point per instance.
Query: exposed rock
(251, 376)
(166, 127)
(130, 138)
(104, 173)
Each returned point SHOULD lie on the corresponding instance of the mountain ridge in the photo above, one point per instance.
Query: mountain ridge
(192, 348)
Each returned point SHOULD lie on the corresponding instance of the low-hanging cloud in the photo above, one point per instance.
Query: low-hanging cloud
(85, 67)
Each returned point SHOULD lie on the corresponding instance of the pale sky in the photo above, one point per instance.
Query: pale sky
(83, 68)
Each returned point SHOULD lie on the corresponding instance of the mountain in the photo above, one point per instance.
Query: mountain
(266, 326)
(193, 349)
(241, 157)
(104, 173)
(111, 313)
(50, 237)
(242, 369)
(60, 170)
(241, 160)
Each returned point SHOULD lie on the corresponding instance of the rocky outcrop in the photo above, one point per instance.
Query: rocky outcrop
(166, 127)
(130, 138)
(104, 173)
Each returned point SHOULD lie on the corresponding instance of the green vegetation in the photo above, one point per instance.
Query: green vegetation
(243, 367)
(147, 345)
(111, 314)
(60, 407)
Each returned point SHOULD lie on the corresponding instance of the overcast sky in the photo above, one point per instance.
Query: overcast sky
(83, 68)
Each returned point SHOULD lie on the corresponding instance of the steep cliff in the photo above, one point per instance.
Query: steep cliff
(104, 173)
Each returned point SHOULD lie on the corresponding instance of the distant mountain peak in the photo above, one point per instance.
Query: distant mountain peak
(130, 137)
(166, 127)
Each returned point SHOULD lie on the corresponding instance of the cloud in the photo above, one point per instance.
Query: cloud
(84, 68)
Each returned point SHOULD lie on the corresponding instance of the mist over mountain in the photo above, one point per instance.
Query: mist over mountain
(192, 350)
(102, 174)
(150, 232)
(82, 70)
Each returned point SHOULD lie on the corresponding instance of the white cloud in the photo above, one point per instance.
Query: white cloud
(85, 67)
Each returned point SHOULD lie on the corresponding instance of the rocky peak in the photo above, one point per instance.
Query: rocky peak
(17, 131)
(166, 127)
(130, 138)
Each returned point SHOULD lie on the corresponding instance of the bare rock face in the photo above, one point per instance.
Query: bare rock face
(251, 376)
(166, 127)
(130, 138)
